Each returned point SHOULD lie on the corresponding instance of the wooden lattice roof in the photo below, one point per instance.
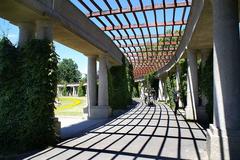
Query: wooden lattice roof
(147, 32)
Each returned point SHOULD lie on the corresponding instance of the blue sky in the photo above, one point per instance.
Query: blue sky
(140, 16)
(11, 31)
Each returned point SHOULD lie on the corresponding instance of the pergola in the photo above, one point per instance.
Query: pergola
(147, 32)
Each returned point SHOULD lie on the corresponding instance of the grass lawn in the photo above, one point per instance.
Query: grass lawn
(70, 106)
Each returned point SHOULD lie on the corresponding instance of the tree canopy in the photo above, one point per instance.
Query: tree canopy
(68, 72)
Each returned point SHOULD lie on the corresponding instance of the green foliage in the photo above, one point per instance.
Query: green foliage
(150, 81)
(39, 85)
(170, 85)
(119, 85)
(130, 80)
(136, 90)
(206, 85)
(10, 110)
(28, 83)
(183, 81)
(68, 72)
(81, 89)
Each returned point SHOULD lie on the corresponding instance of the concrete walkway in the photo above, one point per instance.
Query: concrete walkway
(73, 126)
(142, 133)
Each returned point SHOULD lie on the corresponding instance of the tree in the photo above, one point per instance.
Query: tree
(68, 72)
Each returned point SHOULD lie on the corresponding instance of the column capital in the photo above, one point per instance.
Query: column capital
(192, 51)
(25, 24)
(206, 50)
(26, 32)
(44, 29)
(44, 22)
(92, 56)
(102, 56)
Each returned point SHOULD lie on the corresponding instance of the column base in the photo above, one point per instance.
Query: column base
(98, 112)
(57, 127)
(189, 114)
(221, 145)
(202, 116)
(161, 99)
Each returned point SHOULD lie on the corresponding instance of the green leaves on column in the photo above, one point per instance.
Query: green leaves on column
(170, 86)
(150, 81)
(120, 81)
(130, 80)
(39, 75)
(183, 81)
(28, 84)
(136, 90)
(206, 85)
(10, 107)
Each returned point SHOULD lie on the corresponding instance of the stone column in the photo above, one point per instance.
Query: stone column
(223, 137)
(58, 91)
(177, 77)
(204, 56)
(160, 91)
(178, 83)
(74, 91)
(192, 86)
(103, 83)
(44, 29)
(165, 95)
(202, 115)
(91, 84)
(26, 33)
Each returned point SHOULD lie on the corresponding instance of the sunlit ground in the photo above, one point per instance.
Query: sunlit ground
(70, 106)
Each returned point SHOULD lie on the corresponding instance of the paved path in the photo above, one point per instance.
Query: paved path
(142, 133)
(72, 126)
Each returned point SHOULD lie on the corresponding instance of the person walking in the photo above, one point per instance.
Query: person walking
(176, 101)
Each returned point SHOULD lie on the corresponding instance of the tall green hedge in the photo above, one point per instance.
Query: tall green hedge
(170, 85)
(10, 108)
(183, 81)
(28, 84)
(130, 80)
(120, 79)
(136, 90)
(150, 81)
(206, 85)
(39, 75)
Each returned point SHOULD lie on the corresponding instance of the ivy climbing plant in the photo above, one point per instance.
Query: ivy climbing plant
(39, 84)
(183, 81)
(120, 79)
(28, 84)
(10, 99)
(206, 85)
